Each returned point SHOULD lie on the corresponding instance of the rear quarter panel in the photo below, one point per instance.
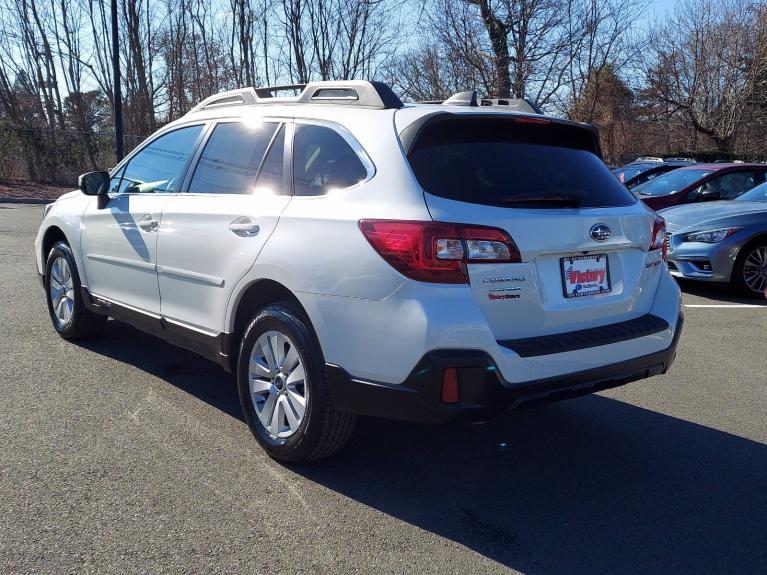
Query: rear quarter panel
(317, 247)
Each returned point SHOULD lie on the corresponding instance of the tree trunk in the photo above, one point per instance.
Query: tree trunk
(498, 34)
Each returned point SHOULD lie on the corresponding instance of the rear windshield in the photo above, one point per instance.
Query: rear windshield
(499, 162)
(671, 182)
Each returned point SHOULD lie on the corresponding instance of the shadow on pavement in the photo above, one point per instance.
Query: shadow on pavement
(188, 371)
(591, 486)
(716, 292)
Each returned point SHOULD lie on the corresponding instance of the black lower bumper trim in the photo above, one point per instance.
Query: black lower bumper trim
(483, 392)
(647, 324)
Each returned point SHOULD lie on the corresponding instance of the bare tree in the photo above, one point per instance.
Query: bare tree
(140, 46)
(294, 13)
(705, 64)
(66, 30)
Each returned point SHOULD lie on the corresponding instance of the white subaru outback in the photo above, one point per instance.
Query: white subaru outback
(346, 254)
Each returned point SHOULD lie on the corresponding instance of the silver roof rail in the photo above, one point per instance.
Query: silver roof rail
(362, 93)
(469, 98)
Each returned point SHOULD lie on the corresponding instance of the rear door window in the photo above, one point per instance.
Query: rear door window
(231, 158)
(323, 161)
(499, 162)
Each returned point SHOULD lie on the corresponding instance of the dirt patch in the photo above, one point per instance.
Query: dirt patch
(21, 189)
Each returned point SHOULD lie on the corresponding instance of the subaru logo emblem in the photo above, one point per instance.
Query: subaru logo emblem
(599, 232)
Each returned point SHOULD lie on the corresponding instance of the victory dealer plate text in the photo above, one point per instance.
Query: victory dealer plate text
(585, 275)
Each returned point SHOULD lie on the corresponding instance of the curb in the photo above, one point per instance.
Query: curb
(34, 201)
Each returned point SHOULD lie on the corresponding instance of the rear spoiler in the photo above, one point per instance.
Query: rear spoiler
(410, 134)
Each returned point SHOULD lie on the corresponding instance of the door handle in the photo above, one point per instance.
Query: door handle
(148, 223)
(244, 227)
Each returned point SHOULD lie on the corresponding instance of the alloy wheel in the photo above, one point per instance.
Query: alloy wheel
(62, 293)
(277, 382)
(755, 270)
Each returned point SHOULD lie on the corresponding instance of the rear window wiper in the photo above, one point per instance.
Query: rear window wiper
(567, 199)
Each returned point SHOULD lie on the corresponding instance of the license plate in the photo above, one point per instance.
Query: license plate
(585, 275)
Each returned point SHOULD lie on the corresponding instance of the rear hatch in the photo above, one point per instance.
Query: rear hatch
(583, 238)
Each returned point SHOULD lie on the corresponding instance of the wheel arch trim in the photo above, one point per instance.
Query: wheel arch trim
(250, 295)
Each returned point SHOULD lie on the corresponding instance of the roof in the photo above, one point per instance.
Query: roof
(362, 104)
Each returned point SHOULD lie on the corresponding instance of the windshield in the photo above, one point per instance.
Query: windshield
(670, 182)
(500, 162)
(757, 194)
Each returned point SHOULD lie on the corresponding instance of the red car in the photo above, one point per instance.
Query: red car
(700, 183)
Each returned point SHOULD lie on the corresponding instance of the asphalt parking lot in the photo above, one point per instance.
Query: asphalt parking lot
(127, 455)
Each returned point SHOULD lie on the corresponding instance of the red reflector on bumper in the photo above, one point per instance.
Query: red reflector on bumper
(450, 392)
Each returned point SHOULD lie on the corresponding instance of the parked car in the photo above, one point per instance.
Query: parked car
(722, 242)
(633, 175)
(343, 253)
(700, 183)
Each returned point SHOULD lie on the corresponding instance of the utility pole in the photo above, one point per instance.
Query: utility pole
(117, 91)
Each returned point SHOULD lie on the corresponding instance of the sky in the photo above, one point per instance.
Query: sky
(658, 8)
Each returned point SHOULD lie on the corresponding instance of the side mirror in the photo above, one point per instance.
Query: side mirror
(94, 183)
(708, 195)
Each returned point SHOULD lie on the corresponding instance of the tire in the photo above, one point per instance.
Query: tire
(76, 321)
(292, 418)
(751, 258)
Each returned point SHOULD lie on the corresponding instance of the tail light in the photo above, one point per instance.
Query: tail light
(438, 252)
(659, 237)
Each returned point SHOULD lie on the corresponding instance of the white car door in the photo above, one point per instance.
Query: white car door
(119, 240)
(211, 235)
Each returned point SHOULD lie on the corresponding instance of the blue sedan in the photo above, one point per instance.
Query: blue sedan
(721, 242)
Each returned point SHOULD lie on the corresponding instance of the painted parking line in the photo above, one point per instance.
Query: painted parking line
(732, 305)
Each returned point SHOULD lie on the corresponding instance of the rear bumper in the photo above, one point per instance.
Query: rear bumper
(483, 392)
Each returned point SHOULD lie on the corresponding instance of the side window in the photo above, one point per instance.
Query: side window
(710, 190)
(736, 183)
(727, 186)
(270, 178)
(157, 167)
(323, 161)
(231, 158)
